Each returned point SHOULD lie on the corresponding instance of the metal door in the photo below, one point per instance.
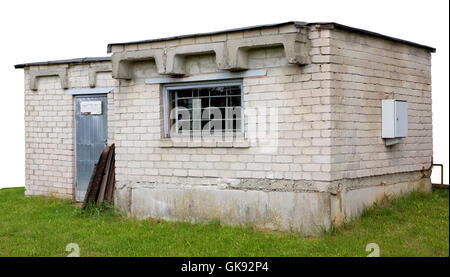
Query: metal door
(401, 119)
(90, 137)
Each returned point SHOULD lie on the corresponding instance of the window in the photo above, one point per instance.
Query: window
(203, 109)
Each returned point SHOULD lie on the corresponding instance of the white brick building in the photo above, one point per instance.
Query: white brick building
(303, 149)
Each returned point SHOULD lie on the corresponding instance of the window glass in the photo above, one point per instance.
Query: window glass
(205, 110)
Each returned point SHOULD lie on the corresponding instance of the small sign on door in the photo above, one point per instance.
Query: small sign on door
(91, 107)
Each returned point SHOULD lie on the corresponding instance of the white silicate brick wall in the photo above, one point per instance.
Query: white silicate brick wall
(364, 71)
(49, 130)
(329, 114)
(300, 93)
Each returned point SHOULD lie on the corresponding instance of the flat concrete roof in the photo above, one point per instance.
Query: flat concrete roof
(68, 61)
(296, 23)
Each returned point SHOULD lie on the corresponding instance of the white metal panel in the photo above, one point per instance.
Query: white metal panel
(82, 91)
(401, 119)
(387, 118)
(91, 107)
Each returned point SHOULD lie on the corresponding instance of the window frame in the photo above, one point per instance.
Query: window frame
(205, 84)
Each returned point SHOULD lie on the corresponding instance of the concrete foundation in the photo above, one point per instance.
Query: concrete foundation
(307, 212)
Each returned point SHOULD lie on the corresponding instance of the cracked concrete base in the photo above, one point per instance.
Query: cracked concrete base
(307, 212)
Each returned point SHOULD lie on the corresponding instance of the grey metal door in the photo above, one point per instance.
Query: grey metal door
(90, 137)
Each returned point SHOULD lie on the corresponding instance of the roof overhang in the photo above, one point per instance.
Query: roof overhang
(69, 61)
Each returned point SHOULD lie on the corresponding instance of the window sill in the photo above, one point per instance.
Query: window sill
(204, 143)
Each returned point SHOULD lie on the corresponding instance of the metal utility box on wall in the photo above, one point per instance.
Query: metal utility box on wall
(394, 117)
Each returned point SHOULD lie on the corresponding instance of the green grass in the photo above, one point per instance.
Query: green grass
(415, 225)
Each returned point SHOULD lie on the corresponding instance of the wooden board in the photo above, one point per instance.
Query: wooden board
(97, 173)
(105, 178)
(111, 182)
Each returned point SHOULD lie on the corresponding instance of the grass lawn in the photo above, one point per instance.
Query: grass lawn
(416, 225)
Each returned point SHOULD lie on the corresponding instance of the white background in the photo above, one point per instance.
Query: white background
(48, 30)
